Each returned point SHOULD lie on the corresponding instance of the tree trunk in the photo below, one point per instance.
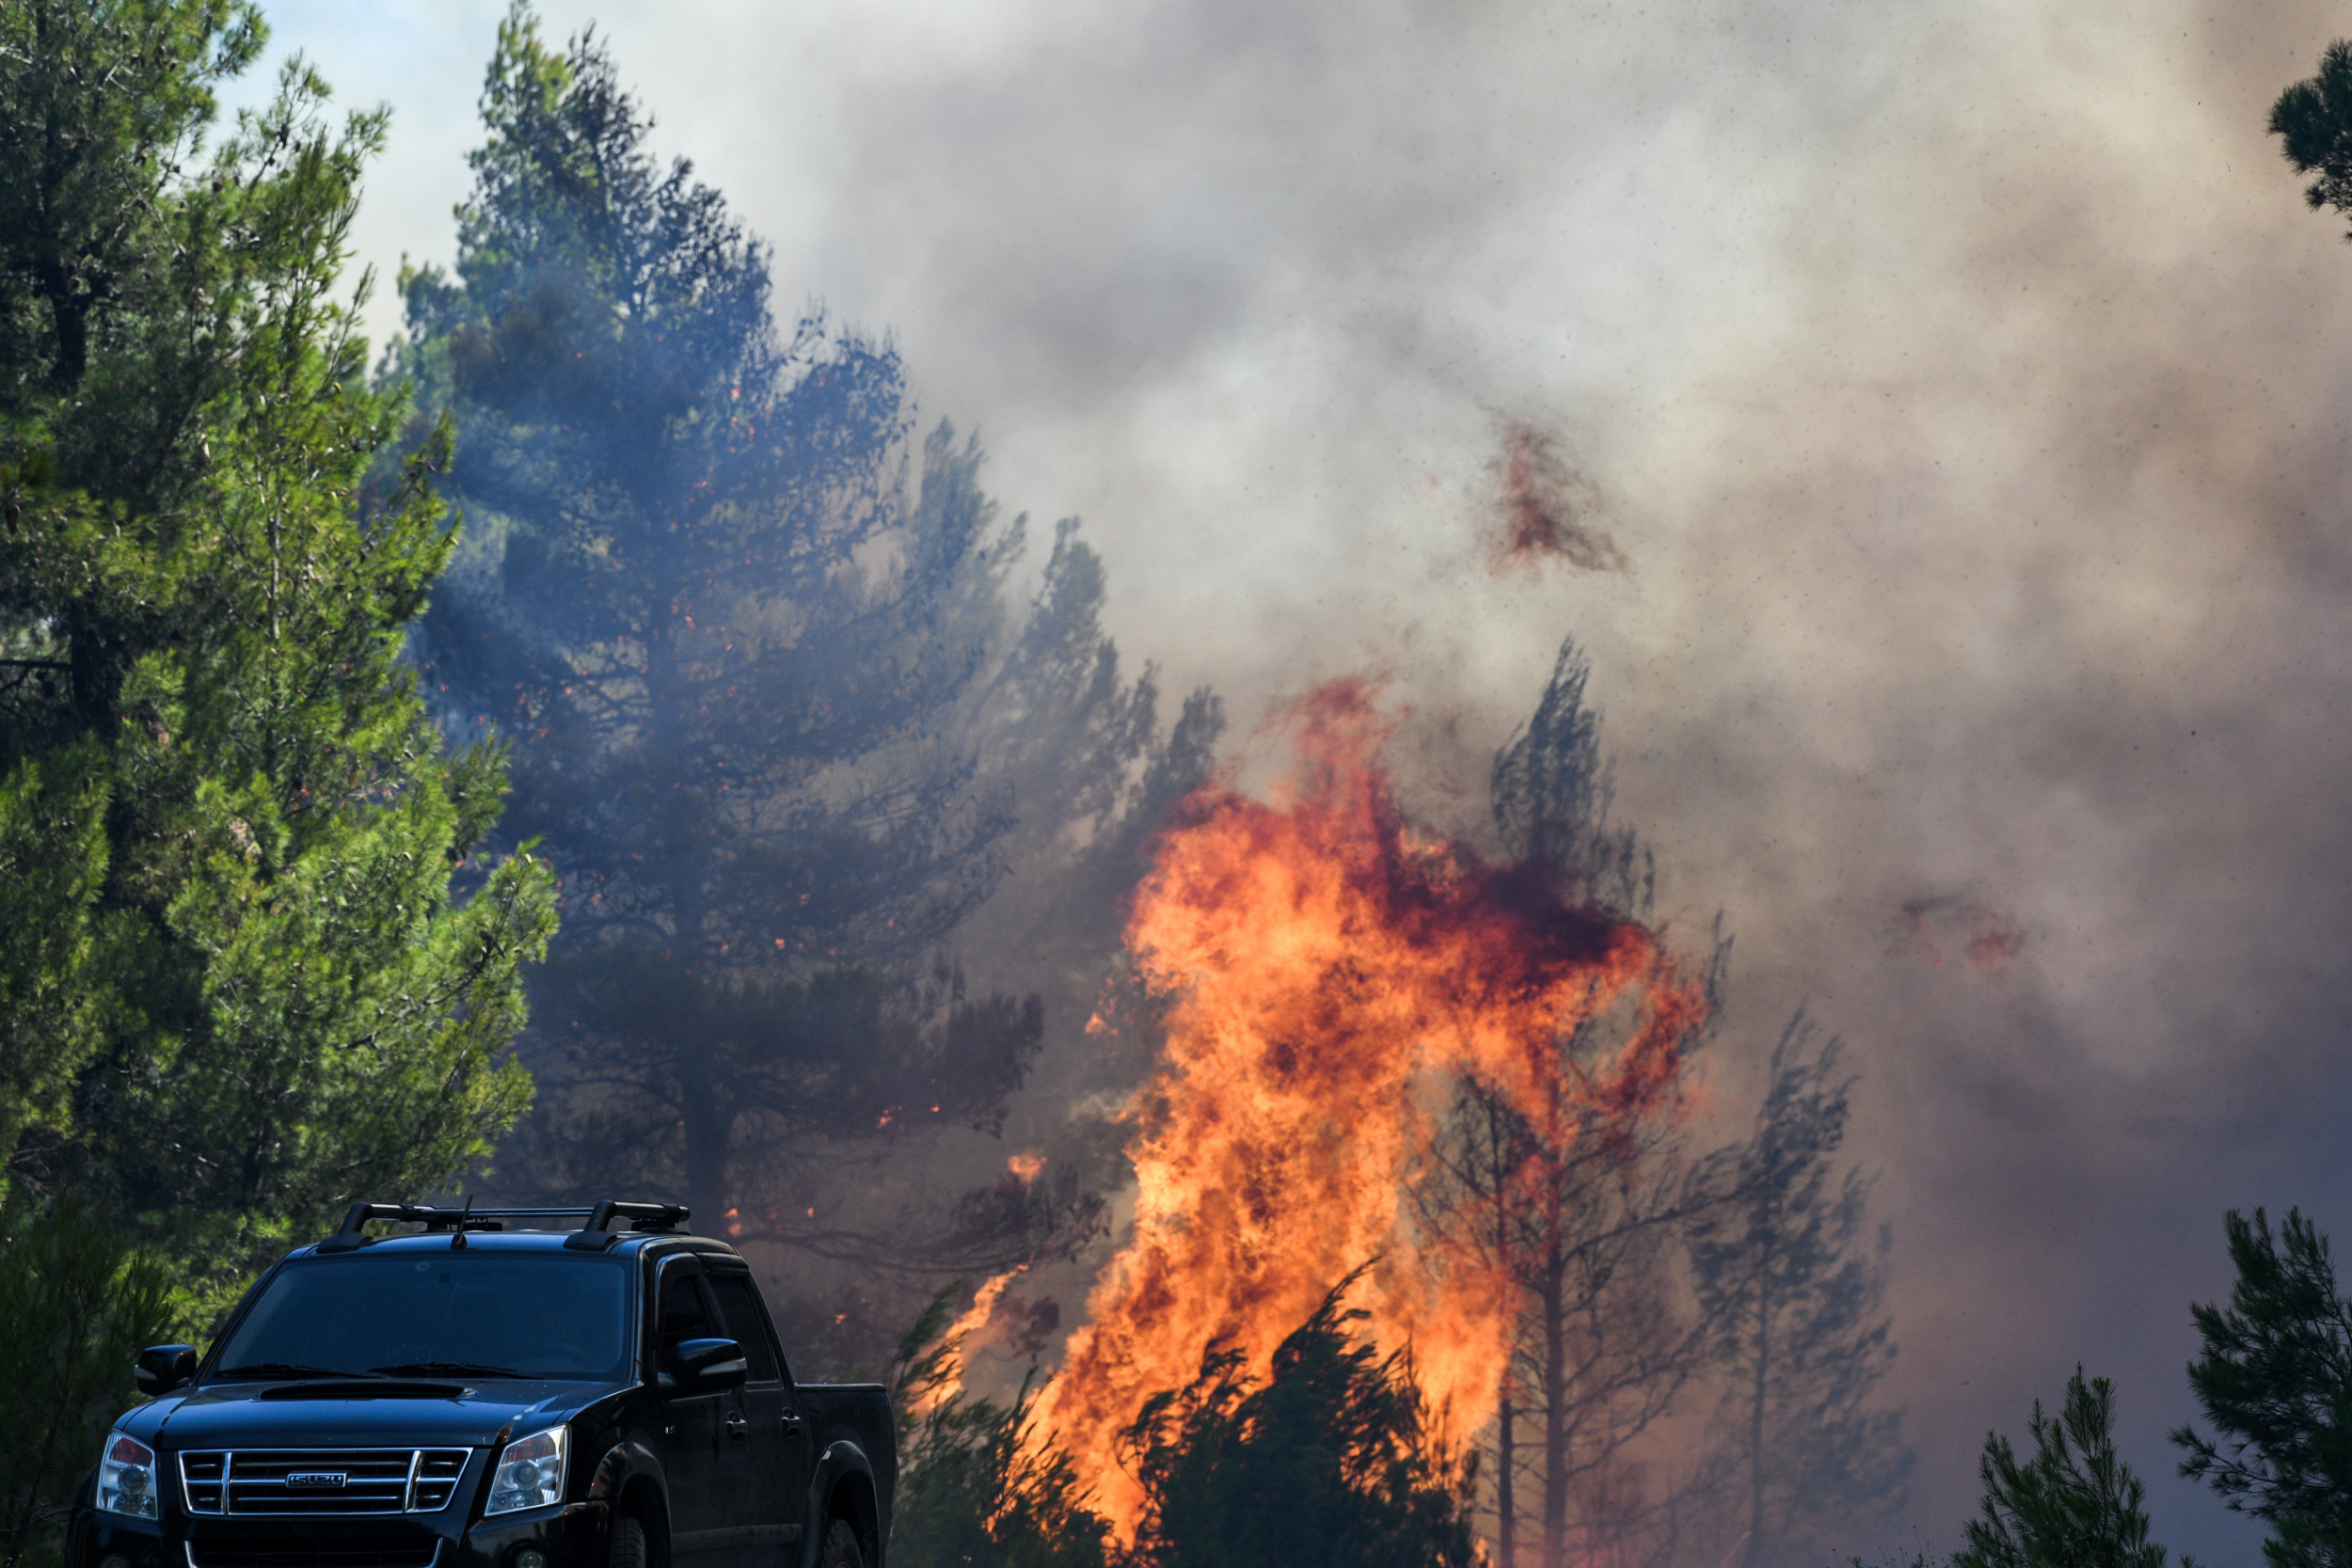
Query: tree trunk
(709, 1130)
(1506, 1495)
(1506, 1432)
(1753, 1552)
(705, 1099)
(1555, 1411)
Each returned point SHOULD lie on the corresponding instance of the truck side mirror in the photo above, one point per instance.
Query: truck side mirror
(163, 1367)
(703, 1367)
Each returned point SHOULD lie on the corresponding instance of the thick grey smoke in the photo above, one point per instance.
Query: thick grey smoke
(1961, 384)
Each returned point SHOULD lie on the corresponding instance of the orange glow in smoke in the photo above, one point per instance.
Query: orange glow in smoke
(1328, 968)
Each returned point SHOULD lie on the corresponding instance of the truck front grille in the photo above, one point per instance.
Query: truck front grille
(320, 1481)
(310, 1551)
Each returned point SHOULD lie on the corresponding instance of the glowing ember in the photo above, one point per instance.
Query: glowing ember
(1927, 928)
(1545, 503)
(1328, 967)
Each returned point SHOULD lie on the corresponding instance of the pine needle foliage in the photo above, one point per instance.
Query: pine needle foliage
(724, 643)
(236, 990)
(2074, 1504)
(2314, 119)
(2275, 1379)
(779, 717)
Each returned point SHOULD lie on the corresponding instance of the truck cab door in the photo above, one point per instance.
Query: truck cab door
(699, 1431)
(782, 1461)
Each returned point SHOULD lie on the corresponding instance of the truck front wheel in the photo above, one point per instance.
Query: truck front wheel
(841, 1548)
(628, 1542)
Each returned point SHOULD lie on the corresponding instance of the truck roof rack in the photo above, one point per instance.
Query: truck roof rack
(641, 1216)
(590, 1237)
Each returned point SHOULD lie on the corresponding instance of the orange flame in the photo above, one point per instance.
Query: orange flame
(1327, 966)
(975, 1319)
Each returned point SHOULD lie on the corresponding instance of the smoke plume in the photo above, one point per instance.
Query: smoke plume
(1961, 380)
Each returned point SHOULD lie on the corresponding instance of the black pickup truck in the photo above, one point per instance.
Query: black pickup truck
(484, 1394)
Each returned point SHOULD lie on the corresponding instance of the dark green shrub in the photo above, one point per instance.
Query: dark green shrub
(76, 1306)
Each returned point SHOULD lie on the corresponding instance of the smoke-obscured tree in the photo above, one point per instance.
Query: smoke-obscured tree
(235, 989)
(1333, 1462)
(1552, 792)
(753, 654)
(1789, 1283)
(2274, 1380)
(2074, 1504)
(1092, 778)
(1578, 1206)
(1606, 1346)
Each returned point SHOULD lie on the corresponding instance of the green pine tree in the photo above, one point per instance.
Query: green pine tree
(236, 989)
(2074, 1504)
(2314, 119)
(2274, 1380)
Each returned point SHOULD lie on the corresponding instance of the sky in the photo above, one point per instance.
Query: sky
(1959, 383)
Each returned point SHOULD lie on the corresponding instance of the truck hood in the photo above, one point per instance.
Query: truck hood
(280, 1415)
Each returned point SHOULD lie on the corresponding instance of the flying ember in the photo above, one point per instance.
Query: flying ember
(1329, 968)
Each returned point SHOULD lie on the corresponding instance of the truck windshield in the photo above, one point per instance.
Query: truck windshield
(460, 1314)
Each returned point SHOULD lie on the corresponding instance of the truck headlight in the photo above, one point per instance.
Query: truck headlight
(126, 1476)
(530, 1473)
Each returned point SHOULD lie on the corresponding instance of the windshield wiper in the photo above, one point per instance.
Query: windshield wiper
(280, 1369)
(459, 1369)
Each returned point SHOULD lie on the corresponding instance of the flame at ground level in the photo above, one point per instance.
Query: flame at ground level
(1325, 964)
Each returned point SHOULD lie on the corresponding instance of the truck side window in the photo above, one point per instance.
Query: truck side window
(746, 1324)
(683, 1314)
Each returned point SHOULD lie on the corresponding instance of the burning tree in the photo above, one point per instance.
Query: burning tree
(976, 1484)
(1584, 1227)
(1333, 1456)
(1335, 1460)
(1577, 1207)
(1325, 963)
(1548, 1254)
(1650, 1279)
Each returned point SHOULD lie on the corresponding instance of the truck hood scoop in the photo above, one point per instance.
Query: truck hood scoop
(364, 1388)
